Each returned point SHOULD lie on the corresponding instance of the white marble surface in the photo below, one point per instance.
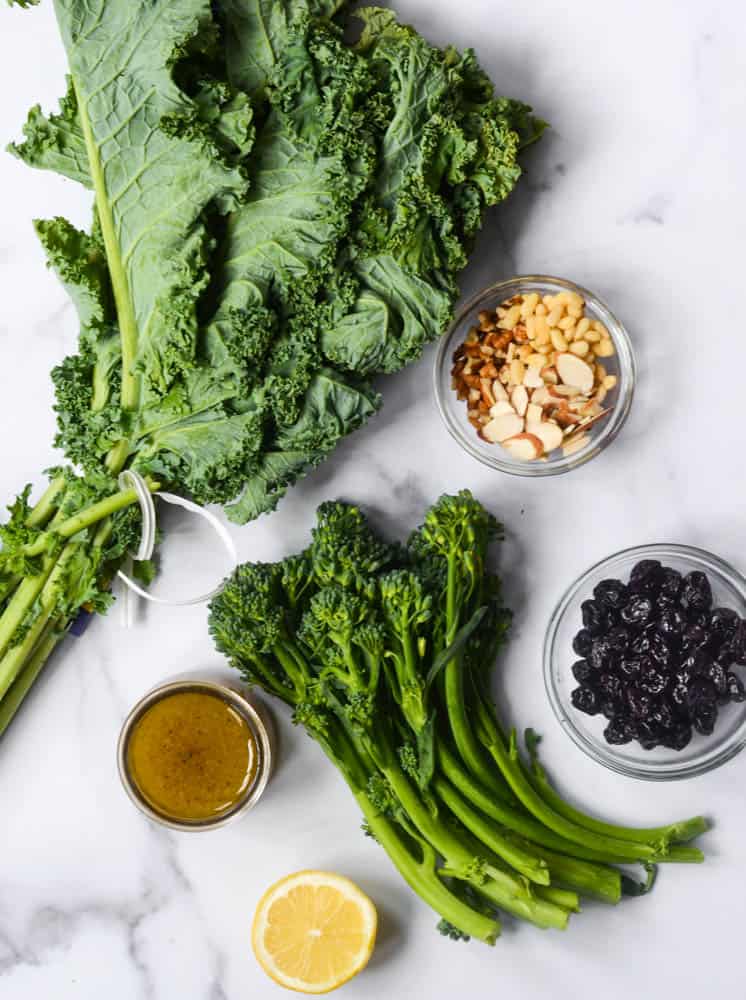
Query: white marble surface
(637, 192)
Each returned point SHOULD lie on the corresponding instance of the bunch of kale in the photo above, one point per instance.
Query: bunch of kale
(279, 215)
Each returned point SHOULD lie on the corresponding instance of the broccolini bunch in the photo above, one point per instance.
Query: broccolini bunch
(384, 653)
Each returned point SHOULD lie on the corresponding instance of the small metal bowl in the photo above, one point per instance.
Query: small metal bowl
(454, 411)
(259, 729)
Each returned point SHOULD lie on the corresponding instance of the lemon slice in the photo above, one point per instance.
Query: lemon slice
(314, 931)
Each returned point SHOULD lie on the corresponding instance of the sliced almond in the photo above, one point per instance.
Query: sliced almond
(534, 414)
(564, 416)
(501, 428)
(549, 433)
(562, 391)
(486, 387)
(519, 399)
(590, 421)
(525, 447)
(498, 390)
(573, 371)
(532, 379)
(501, 407)
(575, 444)
(540, 396)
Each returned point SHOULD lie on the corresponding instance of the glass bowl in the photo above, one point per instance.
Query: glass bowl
(704, 752)
(454, 410)
(256, 723)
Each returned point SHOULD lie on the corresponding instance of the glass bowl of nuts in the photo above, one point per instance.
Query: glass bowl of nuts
(535, 376)
(644, 662)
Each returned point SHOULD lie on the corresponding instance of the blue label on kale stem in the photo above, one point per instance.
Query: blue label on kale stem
(81, 623)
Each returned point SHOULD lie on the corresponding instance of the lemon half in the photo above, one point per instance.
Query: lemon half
(313, 931)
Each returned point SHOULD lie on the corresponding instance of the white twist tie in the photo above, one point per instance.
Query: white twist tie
(130, 480)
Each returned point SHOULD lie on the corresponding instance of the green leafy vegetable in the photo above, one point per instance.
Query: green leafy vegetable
(279, 214)
(362, 639)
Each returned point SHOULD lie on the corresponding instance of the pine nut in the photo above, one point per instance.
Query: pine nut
(592, 336)
(529, 304)
(558, 340)
(524, 351)
(583, 325)
(541, 310)
(604, 348)
(530, 327)
(609, 382)
(535, 360)
(566, 323)
(598, 325)
(548, 301)
(517, 371)
(571, 299)
(579, 347)
(554, 316)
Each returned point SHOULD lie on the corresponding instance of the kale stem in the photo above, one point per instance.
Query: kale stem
(14, 658)
(31, 670)
(47, 504)
(117, 457)
(18, 606)
(85, 518)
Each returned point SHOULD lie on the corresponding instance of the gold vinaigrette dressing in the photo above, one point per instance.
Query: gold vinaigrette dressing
(192, 756)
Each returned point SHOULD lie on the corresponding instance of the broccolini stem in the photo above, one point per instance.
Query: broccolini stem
(525, 861)
(565, 898)
(675, 833)
(514, 774)
(589, 879)
(345, 751)
(518, 820)
(503, 889)
(466, 743)
(423, 879)
(12, 701)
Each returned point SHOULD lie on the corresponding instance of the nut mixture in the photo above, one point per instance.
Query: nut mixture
(532, 374)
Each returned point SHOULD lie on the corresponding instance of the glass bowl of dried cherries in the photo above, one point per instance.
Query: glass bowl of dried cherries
(645, 662)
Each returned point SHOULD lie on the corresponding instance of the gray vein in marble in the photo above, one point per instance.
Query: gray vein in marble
(653, 211)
